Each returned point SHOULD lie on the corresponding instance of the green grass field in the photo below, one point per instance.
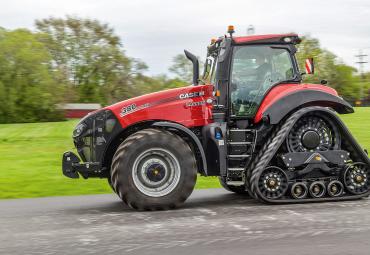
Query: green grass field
(30, 158)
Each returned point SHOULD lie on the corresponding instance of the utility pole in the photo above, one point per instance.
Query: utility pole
(361, 61)
(250, 30)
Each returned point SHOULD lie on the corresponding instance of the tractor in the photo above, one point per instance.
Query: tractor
(248, 119)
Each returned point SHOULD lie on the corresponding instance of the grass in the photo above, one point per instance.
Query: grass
(30, 159)
(30, 162)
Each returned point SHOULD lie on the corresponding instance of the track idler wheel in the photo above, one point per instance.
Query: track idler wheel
(356, 178)
(273, 182)
(335, 188)
(299, 190)
(317, 189)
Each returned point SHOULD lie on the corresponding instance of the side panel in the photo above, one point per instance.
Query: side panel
(286, 97)
(189, 106)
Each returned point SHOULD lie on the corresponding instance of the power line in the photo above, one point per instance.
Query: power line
(361, 62)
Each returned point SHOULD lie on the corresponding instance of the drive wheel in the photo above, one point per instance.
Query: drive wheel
(236, 189)
(313, 132)
(153, 170)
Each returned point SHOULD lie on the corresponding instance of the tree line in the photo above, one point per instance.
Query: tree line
(70, 59)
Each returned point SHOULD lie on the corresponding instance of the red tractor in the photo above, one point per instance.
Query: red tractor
(248, 120)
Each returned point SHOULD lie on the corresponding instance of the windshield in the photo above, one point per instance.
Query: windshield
(255, 69)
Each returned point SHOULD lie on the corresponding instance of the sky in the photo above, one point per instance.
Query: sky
(157, 30)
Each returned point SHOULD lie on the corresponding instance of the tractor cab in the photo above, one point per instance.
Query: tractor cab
(244, 69)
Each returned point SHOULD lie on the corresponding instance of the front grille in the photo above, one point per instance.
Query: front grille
(100, 128)
(84, 147)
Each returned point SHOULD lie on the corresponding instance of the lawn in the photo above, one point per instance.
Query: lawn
(30, 161)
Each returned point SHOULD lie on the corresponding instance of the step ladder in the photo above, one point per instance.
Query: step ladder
(240, 148)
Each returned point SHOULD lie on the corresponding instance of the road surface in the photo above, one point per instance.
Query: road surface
(211, 222)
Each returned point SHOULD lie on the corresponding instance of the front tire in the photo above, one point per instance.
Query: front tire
(153, 170)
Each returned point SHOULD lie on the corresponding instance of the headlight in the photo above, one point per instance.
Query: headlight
(79, 130)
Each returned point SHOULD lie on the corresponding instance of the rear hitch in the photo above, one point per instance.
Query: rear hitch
(72, 167)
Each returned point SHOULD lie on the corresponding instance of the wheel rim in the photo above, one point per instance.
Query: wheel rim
(335, 188)
(317, 189)
(156, 172)
(356, 178)
(273, 182)
(299, 190)
(313, 132)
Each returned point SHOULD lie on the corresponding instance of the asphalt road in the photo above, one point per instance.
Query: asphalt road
(211, 222)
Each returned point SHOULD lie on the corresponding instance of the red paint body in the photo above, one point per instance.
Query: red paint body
(168, 106)
(76, 113)
(256, 38)
(285, 89)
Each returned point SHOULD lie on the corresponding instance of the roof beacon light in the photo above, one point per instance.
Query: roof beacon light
(230, 30)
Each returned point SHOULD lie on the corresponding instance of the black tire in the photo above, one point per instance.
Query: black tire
(110, 184)
(134, 179)
(236, 189)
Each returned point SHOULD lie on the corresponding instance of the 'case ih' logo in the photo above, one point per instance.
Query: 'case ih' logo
(191, 95)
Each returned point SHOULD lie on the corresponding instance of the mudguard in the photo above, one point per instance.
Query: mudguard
(189, 134)
(303, 98)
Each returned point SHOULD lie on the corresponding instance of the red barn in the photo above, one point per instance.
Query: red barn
(78, 110)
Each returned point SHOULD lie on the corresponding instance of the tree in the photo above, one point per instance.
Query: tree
(182, 68)
(28, 91)
(90, 58)
(328, 67)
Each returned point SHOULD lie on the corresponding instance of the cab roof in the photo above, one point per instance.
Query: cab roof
(270, 38)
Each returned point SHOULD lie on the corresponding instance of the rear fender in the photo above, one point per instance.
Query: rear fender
(282, 107)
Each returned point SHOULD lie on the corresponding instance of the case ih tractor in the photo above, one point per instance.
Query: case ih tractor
(248, 120)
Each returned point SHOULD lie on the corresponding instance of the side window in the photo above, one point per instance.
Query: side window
(255, 69)
(282, 64)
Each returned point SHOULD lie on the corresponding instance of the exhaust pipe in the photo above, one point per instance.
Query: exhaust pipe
(317, 189)
(195, 62)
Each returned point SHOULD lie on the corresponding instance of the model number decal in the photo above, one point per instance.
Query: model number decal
(191, 95)
(126, 110)
(132, 108)
(193, 104)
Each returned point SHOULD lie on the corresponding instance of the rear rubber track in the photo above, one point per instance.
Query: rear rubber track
(275, 141)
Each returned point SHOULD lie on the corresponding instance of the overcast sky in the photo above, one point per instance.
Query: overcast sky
(155, 31)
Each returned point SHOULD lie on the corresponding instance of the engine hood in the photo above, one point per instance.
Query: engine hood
(189, 106)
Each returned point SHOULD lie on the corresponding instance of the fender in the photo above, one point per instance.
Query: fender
(188, 133)
(283, 106)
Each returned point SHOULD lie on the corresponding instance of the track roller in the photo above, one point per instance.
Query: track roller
(356, 178)
(335, 188)
(317, 189)
(299, 190)
(273, 182)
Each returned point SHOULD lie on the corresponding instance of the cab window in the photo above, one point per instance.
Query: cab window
(255, 69)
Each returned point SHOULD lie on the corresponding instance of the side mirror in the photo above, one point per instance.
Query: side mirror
(309, 65)
(195, 62)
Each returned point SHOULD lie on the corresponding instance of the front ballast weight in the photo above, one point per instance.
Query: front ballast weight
(311, 156)
(73, 168)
